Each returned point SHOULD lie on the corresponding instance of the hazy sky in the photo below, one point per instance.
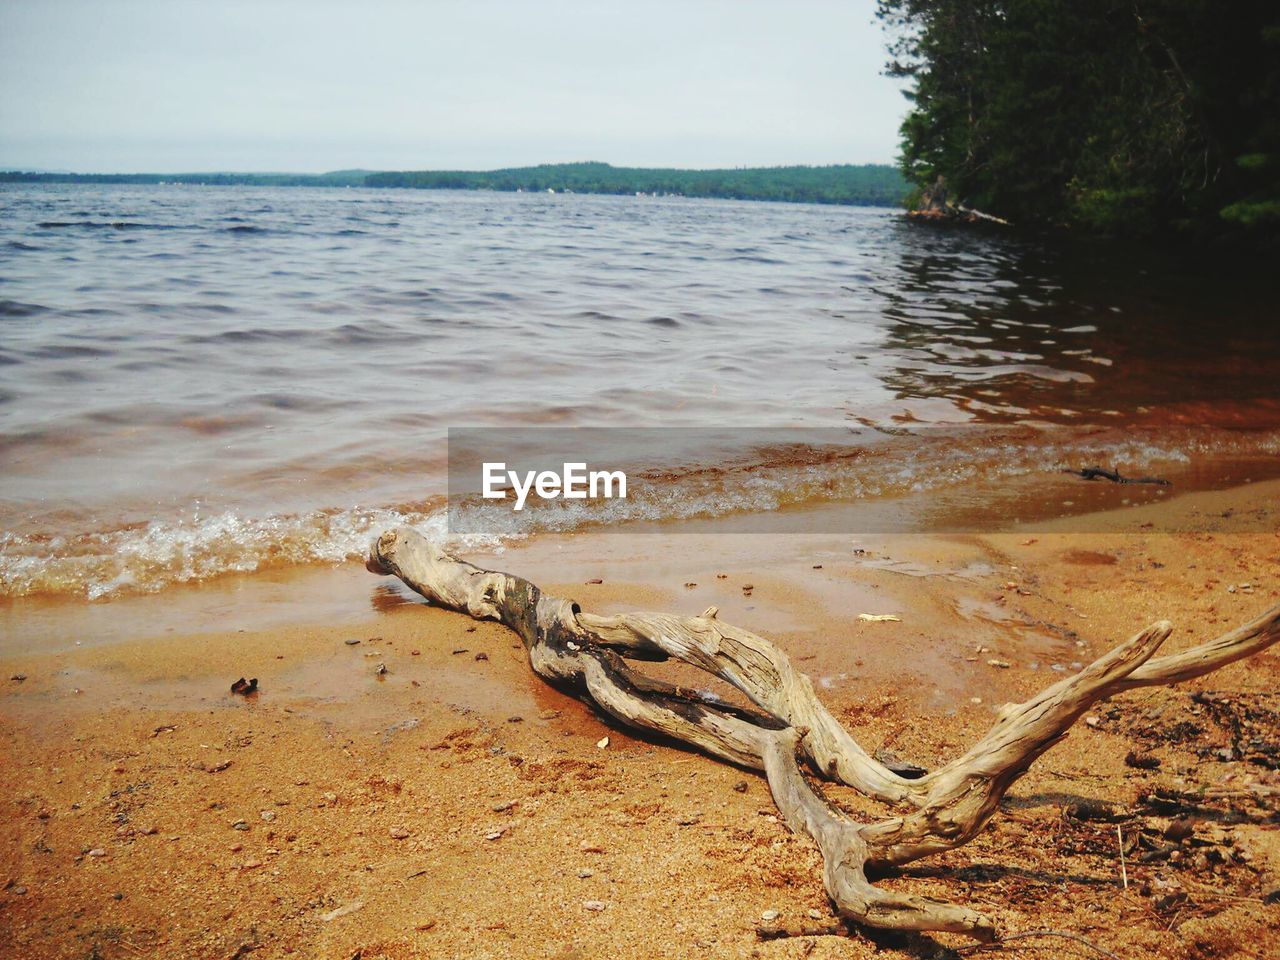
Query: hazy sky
(313, 85)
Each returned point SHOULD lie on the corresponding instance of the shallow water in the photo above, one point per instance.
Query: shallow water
(199, 380)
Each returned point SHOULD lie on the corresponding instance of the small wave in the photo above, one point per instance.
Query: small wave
(19, 245)
(14, 308)
(146, 559)
(105, 225)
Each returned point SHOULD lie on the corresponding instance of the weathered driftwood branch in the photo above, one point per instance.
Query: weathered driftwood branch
(789, 729)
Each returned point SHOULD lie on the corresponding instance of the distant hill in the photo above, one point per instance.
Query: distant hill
(865, 185)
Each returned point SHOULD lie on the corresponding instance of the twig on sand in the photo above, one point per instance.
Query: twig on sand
(805, 930)
(1098, 473)
(1027, 934)
(1124, 873)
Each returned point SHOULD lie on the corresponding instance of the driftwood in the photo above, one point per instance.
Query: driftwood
(788, 731)
(936, 206)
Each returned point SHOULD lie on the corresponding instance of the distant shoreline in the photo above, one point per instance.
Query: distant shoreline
(875, 185)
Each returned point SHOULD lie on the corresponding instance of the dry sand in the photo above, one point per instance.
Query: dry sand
(456, 806)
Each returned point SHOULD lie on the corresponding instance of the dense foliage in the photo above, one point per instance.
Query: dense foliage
(869, 185)
(1141, 115)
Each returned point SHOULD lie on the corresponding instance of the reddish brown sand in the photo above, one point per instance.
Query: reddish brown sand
(458, 807)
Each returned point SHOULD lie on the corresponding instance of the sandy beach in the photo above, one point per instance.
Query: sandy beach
(456, 806)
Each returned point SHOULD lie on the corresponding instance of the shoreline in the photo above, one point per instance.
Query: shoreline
(119, 745)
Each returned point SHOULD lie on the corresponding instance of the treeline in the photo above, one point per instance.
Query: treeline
(1115, 115)
(866, 185)
(339, 178)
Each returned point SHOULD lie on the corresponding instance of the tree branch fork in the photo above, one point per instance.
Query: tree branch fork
(788, 734)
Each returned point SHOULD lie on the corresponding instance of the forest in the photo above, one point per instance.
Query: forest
(865, 185)
(1118, 116)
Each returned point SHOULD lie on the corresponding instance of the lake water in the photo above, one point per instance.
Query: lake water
(201, 380)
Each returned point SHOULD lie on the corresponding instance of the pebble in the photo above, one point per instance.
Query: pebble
(583, 874)
(596, 905)
(331, 797)
(740, 787)
(504, 806)
(398, 833)
(268, 815)
(351, 643)
(97, 852)
(382, 670)
(769, 916)
(239, 825)
(815, 914)
(1002, 664)
(495, 834)
(1091, 721)
(602, 742)
(19, 891)
(482, 656)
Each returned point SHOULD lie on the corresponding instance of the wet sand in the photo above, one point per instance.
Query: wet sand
(456, 806)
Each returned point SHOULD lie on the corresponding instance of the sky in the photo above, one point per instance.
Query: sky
(317, 85)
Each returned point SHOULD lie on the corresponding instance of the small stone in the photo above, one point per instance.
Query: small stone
(515, 719)
(504, 806)
(18, 677)
(417, 653)
(19, 891)
(482, 656)
(239, 825)
(602, 742)
(382, 670)
(251, 865)
(117, 895)
(584, 874)
(1002, 664)
(398, 833)
(587, 846)
(268, 815)
(352, 642)
(595, 905)
(1091, 721)
(975, 699)
(97, 852)
(594, 580)
(495, 834)
(769, 916)
(740, 787)
(330, 797)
